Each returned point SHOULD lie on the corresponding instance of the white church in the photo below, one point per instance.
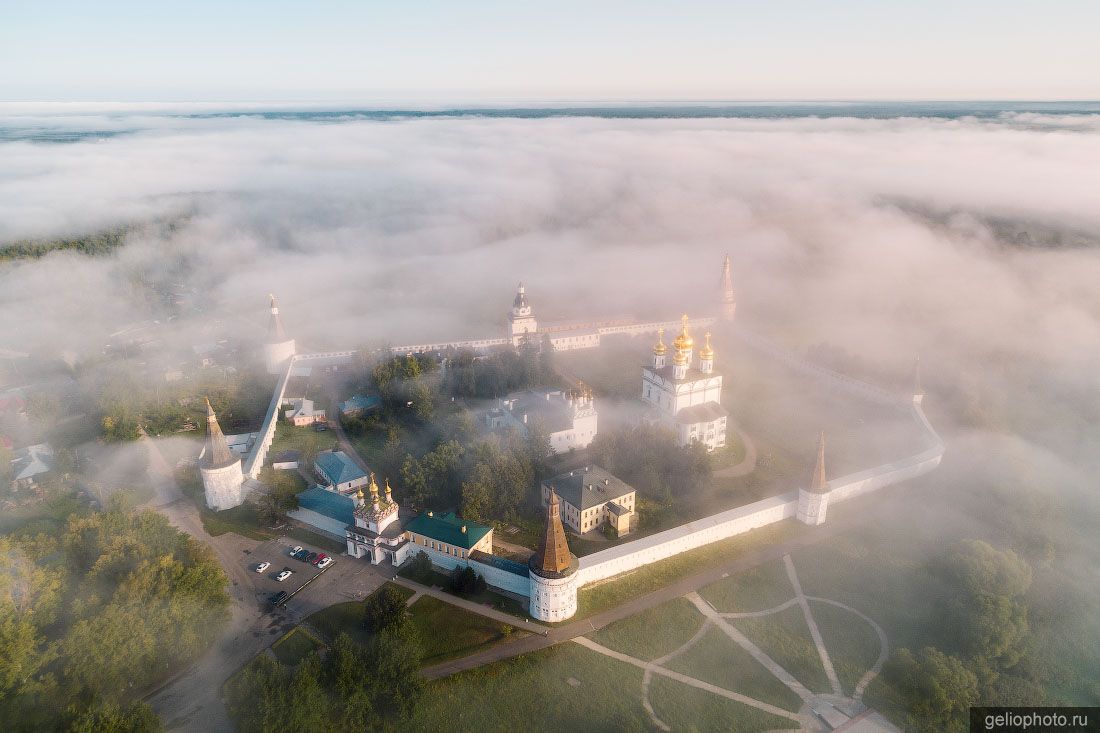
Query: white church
(687, 393)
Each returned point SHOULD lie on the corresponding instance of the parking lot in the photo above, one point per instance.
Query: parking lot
(347, 579)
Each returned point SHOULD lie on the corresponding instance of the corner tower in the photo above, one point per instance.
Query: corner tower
(222, 478)
(278, 348)
(521, 320)
(729, 303)
(813, 502)
(553, 571)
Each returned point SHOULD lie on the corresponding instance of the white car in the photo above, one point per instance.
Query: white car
(283, 575)
(296, 549)
(262, 567)
(325, 563)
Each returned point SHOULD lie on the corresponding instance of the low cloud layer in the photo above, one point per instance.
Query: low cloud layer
(973, 242)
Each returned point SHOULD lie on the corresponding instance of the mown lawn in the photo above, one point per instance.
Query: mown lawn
(785, 638)
(448, 632)
(853, 645)
(242, 520)
(765, 586)
(486, 597)
(652, 633)
(719, 660)
(688, 708)
(347, 617)
(657, 575)
(295, 646)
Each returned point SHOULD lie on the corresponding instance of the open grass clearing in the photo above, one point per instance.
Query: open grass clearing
(852, 643)
(689, 709)
(448, 632)
(295, 646)
(785, 638)
(756, 589)
(652, 633)
(717, 659)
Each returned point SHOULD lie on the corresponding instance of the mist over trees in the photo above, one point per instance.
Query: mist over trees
(92, 615)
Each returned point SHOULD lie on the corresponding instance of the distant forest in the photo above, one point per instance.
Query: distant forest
(95, 244)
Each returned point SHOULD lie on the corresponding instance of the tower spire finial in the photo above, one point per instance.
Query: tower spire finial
(818, 484)
(275, 332)
(555, 556)
(729, 303)
(217, 448)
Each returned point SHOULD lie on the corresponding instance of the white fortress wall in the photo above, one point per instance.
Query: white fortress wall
(256, 458)
(637, 329)
(444, 345)
(519, 584)
(631, 555)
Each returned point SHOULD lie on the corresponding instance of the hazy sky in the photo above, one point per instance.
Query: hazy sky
(432, 51)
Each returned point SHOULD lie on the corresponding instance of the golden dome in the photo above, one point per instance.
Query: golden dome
(359, 495)
(373, 487)
(680, 358)
(706, 352)
(684, 341)
(387, 489)
(660, 348)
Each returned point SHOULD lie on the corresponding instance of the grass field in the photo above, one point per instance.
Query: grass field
(656, 575)
(853, 645)
(686, 708)
(347, 617)
(757, 589)
(242, 520)
(785, 638)
(304, 439)
(720, 661)
(295, 646)
(677, 620)
(448, 632)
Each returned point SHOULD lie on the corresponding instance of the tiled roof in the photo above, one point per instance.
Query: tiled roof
(331, 504)
(338, 467)
(573, 487)
(448, 528)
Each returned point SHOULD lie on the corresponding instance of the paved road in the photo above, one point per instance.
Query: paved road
(748, 463)
(681, 587)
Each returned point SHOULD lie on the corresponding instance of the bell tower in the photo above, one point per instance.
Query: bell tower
(729, 303)
(521, 320)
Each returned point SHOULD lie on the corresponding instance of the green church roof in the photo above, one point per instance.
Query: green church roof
(448, 528)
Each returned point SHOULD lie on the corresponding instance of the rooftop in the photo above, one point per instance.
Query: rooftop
(588, 487)
(31, 461)
(547, 406)
(361, 402)
(706, 412)
(692, 374)
(338, 467)
(448, 528)
(500, 563)
(331, 504)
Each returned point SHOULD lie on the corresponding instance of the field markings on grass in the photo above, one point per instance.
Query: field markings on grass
(648, 676)
(766, 612)
(690, 681)
(884, 645)
(757, 653)
(815, 634)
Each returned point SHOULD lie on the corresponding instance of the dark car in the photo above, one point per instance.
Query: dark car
(312, 557)
(321, 556)
(301, 554)
(278, 598)
(320, 427)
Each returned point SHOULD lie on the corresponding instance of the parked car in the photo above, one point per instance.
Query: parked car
(262, 567)
(283, 575)
(278, 598)
(325, 563)
(320, 427)
(311, 557)
(301, 554)
(295, 550)
(319, 558)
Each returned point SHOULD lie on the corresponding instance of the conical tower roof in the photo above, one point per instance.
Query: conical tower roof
(275, 332)
(553, 557)
(727, 282)
(217, 453)
(818, 484)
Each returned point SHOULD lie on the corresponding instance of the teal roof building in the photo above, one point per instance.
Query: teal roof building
(449, 529)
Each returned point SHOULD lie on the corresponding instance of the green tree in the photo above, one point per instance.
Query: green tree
(935, 689)
(385, 609)
(477, 499)
(109, 717)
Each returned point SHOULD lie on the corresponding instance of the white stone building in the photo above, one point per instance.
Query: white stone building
(376, 533)
(568, 417)
(521, 321)
(686, 394)
(591, 496)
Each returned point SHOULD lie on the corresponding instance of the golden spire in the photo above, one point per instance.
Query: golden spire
(660, 348)
(359, 495)
(684, 341)
(389, 497)
(373, 487)
(706, 352)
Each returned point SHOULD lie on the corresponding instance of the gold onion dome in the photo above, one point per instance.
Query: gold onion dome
(373, 487)
(684, 341)
(660, 348)
(706, 352)
(387, 489)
